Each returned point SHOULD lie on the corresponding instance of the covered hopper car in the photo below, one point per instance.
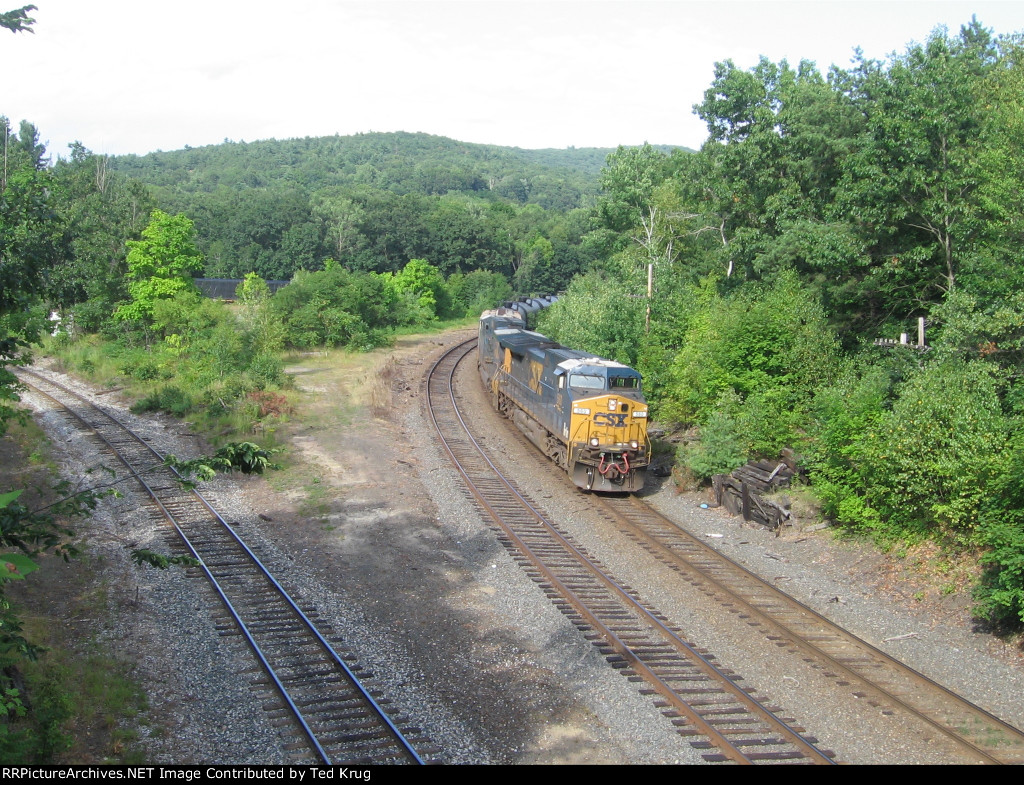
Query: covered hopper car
(585, 413)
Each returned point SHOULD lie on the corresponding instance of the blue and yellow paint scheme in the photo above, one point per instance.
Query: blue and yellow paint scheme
(586, 413)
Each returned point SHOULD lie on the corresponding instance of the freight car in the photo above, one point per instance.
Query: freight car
(585, 413)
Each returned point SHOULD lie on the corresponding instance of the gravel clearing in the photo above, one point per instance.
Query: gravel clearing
(460, 641)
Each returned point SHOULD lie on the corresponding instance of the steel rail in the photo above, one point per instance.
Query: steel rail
(280, 590)
(731, 751)
(974, 730)
(747, 593)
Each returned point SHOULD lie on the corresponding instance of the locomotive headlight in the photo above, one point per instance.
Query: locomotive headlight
(612, 404)
(580, 410)
(595, 442)
(634, 444)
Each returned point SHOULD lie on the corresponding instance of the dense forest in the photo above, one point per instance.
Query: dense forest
(374, 201)
(826, 213)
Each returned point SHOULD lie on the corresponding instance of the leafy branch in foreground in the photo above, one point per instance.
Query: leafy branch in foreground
(18, 20)
(161, 562)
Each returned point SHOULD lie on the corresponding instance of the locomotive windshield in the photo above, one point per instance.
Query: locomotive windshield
(623, 383)
(586, 381)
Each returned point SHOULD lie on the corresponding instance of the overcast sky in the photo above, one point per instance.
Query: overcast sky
(133, 76)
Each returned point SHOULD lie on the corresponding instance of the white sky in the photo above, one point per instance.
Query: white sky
(134, 76)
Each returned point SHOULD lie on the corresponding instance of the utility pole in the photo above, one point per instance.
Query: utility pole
(650, 296)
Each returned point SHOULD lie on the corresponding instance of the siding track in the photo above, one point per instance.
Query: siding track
(335, 718)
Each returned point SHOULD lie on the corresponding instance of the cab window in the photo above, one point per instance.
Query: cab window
(624, 383)
(586, 381)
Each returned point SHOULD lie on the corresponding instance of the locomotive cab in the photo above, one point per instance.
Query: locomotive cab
(606, 424)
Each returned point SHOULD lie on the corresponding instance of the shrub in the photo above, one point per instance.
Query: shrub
(169, 398)
(721, 448)
(265, 370)
(758, 338)
(840, 417)
(333, 307)
(922, 467)
(143, 367)
(1000, 594)
(928, 464)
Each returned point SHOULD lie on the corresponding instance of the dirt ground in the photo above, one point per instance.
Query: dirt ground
(351, 496)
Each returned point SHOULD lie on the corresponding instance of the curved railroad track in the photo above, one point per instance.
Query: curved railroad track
(869, 673)
(866, 672)
(336, 718)
(704, 700)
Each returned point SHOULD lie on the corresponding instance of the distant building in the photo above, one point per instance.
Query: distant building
(224, 288)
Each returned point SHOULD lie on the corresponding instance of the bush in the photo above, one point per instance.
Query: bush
(720, 449)
(336, 308)
(1000, 594)
(265, 370)
(143, 367)
(840, 417)
(928, 464)
(921, 468)
(759, 338)
(169, 398)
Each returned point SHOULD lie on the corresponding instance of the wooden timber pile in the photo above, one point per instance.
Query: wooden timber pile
(741, 492)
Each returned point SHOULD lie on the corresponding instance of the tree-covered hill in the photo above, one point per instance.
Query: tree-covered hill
(375, 201)
(401, 163)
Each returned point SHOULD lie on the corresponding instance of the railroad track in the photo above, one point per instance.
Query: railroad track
(704, 701)
(866, 672)
(335, 717)
(869, 673)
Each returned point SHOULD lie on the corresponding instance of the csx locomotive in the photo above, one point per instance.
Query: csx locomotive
(585, 413)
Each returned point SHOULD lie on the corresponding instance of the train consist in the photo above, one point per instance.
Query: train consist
(585, 413)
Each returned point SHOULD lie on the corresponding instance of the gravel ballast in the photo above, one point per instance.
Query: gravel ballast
(458, 638)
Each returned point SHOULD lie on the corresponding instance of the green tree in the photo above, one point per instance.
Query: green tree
(265, 331)
(342, 219)
(628, 181)
(478, 291)
(31, 244)
(767, 345)
(533, 275)
(593, 315)
(777, 138)
(335, 307)
(919, 181)
(160, 265)
(423, 286)
(102, 210)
